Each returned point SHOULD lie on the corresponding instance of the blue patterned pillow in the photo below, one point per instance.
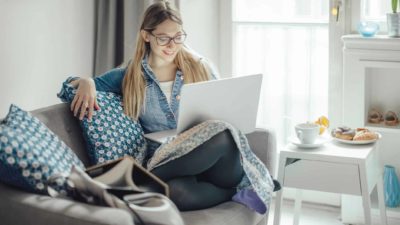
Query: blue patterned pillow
(111, 134)
(30, 153)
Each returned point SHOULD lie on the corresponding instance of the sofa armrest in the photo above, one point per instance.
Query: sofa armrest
(263, 143)
(20, 208)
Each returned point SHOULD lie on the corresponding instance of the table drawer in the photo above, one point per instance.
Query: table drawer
(323, 176)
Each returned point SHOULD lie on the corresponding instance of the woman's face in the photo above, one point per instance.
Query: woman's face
(161, 44)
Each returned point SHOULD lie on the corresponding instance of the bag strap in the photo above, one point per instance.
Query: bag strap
(120, 192)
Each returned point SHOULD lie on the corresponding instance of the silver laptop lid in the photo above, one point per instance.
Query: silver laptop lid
(234, 100)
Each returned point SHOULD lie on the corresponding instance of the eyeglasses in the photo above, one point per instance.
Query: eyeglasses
(165, 40)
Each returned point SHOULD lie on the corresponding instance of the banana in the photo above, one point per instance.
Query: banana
(323, 123)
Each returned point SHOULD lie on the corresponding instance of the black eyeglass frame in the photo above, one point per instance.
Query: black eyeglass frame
(170, 39)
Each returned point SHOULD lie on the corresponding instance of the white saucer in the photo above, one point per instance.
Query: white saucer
(318, 143)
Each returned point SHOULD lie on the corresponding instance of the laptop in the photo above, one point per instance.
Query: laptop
(234, 100)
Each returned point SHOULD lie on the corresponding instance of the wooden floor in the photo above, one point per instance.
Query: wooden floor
(315, 214)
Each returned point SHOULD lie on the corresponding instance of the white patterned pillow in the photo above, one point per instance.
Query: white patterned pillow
(30, 153)
(111, 134)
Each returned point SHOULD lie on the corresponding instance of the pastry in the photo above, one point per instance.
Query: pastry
(364, 134)
(348, 135)
(345, 133)
(391, 118)
(374, 116)
(361, 129)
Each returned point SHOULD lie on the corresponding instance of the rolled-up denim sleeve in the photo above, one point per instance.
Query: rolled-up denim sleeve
(67, 91)
(110, 81)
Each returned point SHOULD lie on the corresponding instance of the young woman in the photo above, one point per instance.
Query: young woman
(150, 85)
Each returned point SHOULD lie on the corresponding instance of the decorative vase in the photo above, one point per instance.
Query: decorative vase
(392, 187)
(393, 23)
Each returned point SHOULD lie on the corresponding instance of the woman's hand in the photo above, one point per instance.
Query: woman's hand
(85, 98)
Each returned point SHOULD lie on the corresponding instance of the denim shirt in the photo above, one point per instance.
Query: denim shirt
(157, 115)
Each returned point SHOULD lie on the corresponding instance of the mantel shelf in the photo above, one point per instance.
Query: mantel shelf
(378, 42)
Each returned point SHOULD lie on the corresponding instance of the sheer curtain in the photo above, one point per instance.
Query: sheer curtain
(286, 41)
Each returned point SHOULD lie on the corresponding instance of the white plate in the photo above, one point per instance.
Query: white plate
(364, 142)
(318, 143)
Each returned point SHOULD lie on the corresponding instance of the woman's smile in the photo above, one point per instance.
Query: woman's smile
(168, 52)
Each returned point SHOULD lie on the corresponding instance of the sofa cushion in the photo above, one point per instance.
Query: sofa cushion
(111, 134)
(30, 153)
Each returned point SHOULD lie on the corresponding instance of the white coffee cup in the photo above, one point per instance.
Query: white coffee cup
(307, 133)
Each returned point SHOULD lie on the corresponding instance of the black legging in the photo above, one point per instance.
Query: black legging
(206, 176)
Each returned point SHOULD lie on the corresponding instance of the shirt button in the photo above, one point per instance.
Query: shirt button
(178, 97)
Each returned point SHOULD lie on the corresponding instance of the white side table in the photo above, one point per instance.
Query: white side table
(334, 167)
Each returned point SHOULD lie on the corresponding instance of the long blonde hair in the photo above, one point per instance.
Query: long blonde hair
(134, 83)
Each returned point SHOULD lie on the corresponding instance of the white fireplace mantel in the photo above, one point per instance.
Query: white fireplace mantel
(371, 79)
(379, 42)
(367, 62)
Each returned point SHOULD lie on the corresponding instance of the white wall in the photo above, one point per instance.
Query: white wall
(42, 42)
(201, 23)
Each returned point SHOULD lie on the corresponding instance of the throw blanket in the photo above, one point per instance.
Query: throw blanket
(256, 176)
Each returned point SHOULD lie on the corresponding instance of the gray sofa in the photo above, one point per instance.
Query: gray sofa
(21, 208)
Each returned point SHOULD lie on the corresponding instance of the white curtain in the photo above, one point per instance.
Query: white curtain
(291, 54)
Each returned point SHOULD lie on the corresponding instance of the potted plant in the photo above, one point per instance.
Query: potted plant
(393, 20)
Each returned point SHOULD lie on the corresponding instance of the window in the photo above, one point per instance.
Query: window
(375, 9)
(369, 10)
(287, 41)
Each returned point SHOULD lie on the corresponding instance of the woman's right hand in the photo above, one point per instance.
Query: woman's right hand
(85, 98)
